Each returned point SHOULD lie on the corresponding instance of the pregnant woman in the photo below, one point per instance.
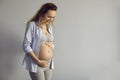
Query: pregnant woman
(38, 43)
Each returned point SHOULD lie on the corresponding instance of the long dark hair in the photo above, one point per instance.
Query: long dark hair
(43, 10)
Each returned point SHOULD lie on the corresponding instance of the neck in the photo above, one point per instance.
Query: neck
(41, 24)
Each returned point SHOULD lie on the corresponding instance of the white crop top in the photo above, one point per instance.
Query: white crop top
(47, 38)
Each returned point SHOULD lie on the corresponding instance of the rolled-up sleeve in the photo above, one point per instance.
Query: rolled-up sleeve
(27, 42)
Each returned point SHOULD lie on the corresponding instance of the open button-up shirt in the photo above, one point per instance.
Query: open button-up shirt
(31, 42)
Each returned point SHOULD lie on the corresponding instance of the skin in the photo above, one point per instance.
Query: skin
(48, 18)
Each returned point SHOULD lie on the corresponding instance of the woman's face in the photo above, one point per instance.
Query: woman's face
(49, 16)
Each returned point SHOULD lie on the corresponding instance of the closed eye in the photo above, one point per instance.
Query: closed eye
(50, 17)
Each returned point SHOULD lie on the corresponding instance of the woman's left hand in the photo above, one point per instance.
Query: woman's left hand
(50, 44)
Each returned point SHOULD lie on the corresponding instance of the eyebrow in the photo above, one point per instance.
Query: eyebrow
(51, 16)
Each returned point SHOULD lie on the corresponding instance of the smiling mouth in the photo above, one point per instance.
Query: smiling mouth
(48, 21)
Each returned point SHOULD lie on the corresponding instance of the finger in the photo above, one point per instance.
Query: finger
(46, 65)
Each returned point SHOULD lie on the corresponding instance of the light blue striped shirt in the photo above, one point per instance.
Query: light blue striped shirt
(31, 42)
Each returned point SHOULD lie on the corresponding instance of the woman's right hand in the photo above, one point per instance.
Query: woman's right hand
(42, 63)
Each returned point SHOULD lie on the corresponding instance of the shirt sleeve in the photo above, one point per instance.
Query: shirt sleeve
(27, 42)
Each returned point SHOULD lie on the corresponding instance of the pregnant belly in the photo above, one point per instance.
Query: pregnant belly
(45, 52)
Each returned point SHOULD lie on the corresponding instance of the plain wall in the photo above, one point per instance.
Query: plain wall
(87, 41)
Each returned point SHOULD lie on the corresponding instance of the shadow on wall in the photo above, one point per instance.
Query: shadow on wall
(10, 47)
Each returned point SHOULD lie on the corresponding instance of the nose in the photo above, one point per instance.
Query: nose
(51, 19)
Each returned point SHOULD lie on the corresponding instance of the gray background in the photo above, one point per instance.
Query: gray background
(87, 40)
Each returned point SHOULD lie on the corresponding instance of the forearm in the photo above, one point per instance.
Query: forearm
(34, 57)
(41, 63)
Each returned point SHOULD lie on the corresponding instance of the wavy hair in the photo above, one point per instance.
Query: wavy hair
(43, 10)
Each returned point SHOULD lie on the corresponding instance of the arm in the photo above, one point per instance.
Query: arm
(27, 42)
(50, 43)
(41, 63)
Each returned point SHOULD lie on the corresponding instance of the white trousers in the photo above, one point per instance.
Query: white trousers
(42, 74)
